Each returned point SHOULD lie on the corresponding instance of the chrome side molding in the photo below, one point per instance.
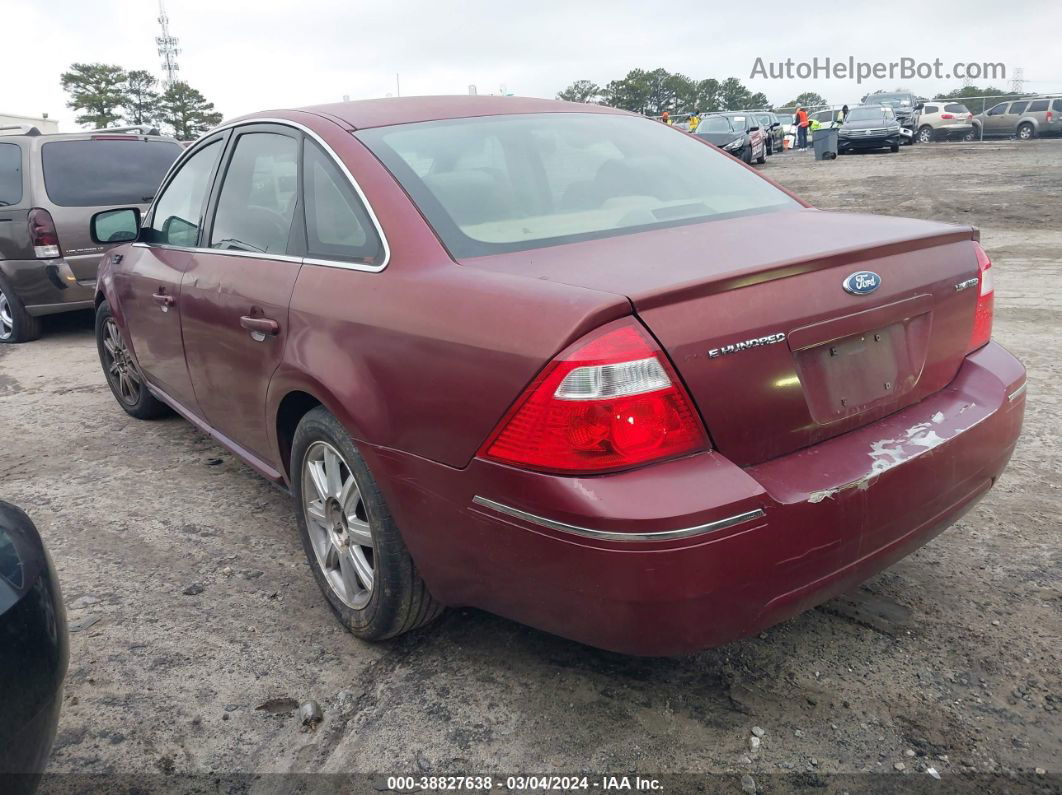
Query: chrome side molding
(1017, 393)
(609, 535)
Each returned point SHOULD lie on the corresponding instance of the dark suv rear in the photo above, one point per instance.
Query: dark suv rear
(50, 186)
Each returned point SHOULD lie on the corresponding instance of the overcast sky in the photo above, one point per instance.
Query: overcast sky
(248, 55)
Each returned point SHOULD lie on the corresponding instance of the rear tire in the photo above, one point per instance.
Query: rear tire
(121, 370)
(1026, 132)
(16, 324)
(351, 541)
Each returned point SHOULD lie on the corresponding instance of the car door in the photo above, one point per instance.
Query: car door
(996, 120)
(235, 292)
(147, 283)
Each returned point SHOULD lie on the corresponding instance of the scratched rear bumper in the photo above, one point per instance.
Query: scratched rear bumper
(833, 515)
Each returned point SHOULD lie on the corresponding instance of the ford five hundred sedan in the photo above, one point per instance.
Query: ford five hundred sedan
(559, 362)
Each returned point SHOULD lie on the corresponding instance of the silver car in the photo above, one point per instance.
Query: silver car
(1023, 119)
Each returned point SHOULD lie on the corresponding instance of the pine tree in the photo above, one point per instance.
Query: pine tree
(141, 100)
(186, 111)
(97, 90)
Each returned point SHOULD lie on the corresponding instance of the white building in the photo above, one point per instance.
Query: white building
(45, 125)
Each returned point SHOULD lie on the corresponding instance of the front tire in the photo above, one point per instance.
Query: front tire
(121, 370)
(894, 148)
(925, 134)
(16, 324)
(351, 541)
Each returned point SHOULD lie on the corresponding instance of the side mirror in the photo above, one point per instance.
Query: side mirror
(116, 226)
(776, 124)
(753, 129)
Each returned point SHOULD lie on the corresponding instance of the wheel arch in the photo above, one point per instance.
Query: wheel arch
(291, 396)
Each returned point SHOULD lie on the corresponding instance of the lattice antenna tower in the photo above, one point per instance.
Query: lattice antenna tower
(168, 49)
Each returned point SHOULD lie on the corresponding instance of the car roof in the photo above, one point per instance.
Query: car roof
(366, 113)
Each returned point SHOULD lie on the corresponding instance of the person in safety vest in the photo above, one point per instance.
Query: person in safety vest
(802, 129)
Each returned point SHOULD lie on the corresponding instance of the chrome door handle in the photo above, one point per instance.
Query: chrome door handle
(260, 327)
(163, 300)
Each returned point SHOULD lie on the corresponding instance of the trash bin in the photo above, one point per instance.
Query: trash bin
(825, 142)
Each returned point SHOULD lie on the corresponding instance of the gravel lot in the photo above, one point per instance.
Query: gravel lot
(949, 660)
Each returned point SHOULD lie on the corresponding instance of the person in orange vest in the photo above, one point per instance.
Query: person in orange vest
(802, 129)
(665, 117)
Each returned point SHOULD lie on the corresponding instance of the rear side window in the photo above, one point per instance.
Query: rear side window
(955, 107)
(1018, 107)
(179, 210)
(10, 174)
(1038, 106)
(258, 196)
(1057, 106)
(105, 173)
(337, 224)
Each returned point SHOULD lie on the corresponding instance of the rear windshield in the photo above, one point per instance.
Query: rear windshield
(99, 173)
(10, 174)
(955, 108)
(510, 183)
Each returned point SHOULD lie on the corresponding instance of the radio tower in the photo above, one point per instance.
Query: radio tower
(1017, 83)
(168, 49)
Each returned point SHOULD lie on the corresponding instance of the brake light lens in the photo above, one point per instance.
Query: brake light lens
(43, 235)
(1050, 117)
(947, 115)
(611, 401)
(982, 325)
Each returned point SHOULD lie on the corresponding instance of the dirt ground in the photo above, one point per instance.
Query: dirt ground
(950, 660)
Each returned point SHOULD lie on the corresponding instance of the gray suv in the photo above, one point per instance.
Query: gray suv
(1023, 119)
(50, 186)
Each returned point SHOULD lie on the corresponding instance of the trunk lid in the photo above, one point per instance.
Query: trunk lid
(775, 353)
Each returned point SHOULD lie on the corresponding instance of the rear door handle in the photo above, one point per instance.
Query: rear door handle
(260, 327)
(163, 300)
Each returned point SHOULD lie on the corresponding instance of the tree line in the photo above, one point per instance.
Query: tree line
(653, 92)
(105, 95)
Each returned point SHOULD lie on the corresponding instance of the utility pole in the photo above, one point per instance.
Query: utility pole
(168, 49)
(398, 89)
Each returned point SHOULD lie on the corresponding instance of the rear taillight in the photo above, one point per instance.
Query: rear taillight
(982, 325)
(1050, 117)
(947, 115)
(43, 235)
(611, 401)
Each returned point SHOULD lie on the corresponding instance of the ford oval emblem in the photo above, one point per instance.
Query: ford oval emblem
(862, 283)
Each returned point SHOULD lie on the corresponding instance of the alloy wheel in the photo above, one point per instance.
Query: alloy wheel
(122, 371)
(7, 320)
(338, 524)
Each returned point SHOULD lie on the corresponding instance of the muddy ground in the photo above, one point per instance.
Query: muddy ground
(949, 660)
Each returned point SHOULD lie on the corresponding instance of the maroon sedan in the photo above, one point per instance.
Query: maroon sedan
(559, 362)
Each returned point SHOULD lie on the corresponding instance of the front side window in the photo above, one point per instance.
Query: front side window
(512, 183)
(106, 172)
(1018, 107)
(258, 195)
(179, 210)
(337, 224)
(10, 174)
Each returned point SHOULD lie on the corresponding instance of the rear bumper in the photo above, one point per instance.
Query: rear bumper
(48, 286)
(809, 525)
